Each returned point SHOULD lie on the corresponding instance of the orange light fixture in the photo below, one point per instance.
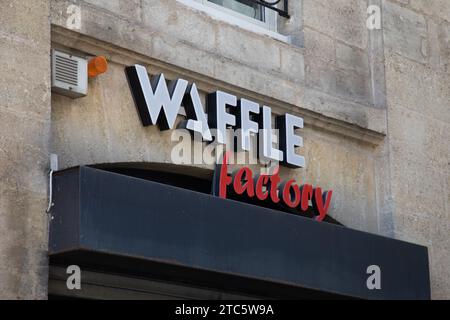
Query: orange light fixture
(97, 66)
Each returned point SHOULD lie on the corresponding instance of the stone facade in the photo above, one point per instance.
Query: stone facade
(418, 102)
(376, 106)
(24, 147)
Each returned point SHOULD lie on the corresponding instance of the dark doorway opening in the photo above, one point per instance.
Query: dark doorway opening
(202, 184)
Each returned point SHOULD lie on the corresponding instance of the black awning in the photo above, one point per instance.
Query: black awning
(112, 222)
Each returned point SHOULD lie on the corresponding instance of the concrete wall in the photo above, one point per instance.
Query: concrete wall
(375, 104)
(24, 147)
(417, 40)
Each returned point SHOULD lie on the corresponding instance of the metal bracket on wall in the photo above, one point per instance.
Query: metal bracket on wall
(53, 168)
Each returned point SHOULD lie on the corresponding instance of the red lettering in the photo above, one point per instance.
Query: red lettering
(318, 203)
(225, 179)
(274, 181)
(287, 194)
(290, 192)
(260, 183)
(307, 194)
(240, 188)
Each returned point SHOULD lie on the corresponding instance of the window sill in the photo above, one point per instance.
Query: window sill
(234, 20)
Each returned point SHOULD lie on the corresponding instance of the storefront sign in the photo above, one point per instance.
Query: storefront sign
(159, 103)
(221, 244)
(271, 188)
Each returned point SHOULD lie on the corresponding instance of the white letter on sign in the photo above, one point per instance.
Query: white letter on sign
(244, 122)
(267, 137)
(218, 117)
(194, 110)
(156, 103)
(289, 140)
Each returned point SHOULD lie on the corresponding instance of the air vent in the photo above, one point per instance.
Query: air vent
(69, 74)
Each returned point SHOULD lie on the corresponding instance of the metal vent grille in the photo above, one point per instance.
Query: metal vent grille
(69, 74)
(66, 70)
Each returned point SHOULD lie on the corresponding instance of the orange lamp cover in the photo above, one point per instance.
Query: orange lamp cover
(97, 66)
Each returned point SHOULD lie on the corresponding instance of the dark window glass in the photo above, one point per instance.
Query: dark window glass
(245, 7)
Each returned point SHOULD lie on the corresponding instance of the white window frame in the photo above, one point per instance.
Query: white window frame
(267, 27)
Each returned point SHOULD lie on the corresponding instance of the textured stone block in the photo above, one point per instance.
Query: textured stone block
(128, 8)
(418, 87)
(412, 228)
(24, 137)
(25, 22)
(418, 188)
(353, 85)
(251, 49)
(341, 19)
(352, 59)
(440, 260)
(24, 80)
(405, 32)
(320, 60)
(183, 54)
(23, 249)
(438, 8)
(181, 22)
(444, 45)
(420, 138)
(293, 63)
(350, 174)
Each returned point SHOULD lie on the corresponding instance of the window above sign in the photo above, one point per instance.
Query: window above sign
(255, 8)
(259, 16)
(246, 7)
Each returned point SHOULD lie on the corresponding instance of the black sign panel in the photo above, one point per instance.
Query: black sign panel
(115, 222)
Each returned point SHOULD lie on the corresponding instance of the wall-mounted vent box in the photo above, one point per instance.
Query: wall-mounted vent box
(69, 74)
